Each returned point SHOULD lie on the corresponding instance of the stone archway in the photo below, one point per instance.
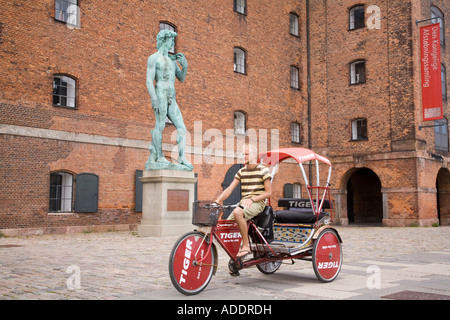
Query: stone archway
(443, 196)
(364, 197)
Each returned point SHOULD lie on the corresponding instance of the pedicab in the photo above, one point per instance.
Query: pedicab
(299, 232)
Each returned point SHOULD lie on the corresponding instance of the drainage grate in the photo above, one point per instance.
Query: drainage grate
(415, 295)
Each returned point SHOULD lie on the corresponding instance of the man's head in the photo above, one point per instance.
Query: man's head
(163, 35)
(250, 154)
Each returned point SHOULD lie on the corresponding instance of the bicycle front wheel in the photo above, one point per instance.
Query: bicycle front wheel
(186, 276)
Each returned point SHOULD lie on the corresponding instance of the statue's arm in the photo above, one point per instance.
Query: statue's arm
(181, 73)
(151, 71)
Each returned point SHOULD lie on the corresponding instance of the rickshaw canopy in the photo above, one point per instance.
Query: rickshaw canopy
(298, 154)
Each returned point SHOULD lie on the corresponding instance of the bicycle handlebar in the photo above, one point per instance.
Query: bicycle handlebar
(216, 205)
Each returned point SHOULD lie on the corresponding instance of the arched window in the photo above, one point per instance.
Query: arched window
(239, 122)
(297, 191)
(168, 26)
(356, 17)
(295, 132)
(292, 190)
(294, 78)
(293, 24)
(61, 184)
(240, 60)
(359, 129)
(358, 72)
(438, 16)
(64, 91)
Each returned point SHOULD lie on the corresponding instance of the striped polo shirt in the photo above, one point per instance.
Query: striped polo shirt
(252, 181)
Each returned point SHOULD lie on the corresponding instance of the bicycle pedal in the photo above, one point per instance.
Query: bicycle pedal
(235, 274)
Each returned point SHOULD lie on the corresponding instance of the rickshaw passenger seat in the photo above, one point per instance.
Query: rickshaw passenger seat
(298, 211)
(297, 216)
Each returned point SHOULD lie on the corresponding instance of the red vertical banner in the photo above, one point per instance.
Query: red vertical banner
(430, 49)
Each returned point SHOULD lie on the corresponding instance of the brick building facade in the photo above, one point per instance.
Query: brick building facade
(75, 114)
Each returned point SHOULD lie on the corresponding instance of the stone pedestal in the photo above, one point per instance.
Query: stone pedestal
(167, 199)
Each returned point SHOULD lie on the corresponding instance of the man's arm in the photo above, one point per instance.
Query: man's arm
(227, 192)
(181, 73)
(151, 71)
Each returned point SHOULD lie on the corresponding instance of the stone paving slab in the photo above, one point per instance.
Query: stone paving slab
(121, 265)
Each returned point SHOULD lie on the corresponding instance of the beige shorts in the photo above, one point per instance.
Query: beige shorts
(253, 211)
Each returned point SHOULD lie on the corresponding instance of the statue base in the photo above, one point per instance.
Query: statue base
(166, 166)
(167, 199)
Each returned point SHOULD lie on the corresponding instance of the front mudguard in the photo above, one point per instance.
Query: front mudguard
(213, 247)
(318, 231)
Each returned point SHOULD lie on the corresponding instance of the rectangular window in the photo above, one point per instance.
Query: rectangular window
(239, 122)
(239, 60)
(294, 77)
(64, 91)
(358, 72)
(297, 191)
(240, 6)
(295, 132)
(359, 129)
(293, 24)
(441, 135)
(67, 11)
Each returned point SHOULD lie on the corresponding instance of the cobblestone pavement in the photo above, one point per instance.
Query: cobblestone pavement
(379, 263)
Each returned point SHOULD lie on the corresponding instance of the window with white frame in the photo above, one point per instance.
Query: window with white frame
(67, 11)
(294, 78)
(239, 122)
(168, 26)
(240, 6)
(239, 60)
(297, 191)
(64, 91)
(359, 129)
(293, 24)
(61, 184)
(295, 132)
(358, 72)
(356, 17)
(438, 17)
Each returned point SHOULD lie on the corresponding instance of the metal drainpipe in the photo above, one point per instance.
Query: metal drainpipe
(308, 68)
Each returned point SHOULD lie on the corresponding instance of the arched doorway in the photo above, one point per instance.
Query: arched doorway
(235, 196)
(364, 198)
(443, 196)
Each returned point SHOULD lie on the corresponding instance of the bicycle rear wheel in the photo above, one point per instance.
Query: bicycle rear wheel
(187, 277)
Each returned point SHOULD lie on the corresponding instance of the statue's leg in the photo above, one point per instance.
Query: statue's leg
(157, 132)
(177, 119)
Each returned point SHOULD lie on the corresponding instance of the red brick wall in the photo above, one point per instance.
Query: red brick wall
(108, 56)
